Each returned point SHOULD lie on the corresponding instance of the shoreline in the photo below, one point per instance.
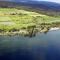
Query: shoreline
(28, 33)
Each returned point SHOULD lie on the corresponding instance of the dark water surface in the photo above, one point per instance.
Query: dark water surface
(41, 47)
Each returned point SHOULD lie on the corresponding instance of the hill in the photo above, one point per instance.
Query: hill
(49, 8)
(18, 18)
(17, 21)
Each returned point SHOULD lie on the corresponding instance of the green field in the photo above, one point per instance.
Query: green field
(15, 19)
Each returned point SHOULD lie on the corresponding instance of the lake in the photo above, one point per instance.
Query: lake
(44, 46)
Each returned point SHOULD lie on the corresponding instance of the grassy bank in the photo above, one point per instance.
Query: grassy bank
(12, 19)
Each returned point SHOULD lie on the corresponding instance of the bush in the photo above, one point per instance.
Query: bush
(13, 30)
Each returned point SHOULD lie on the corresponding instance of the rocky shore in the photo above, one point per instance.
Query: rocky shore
(30, 33)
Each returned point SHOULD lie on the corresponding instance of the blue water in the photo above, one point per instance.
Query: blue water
(41, 47)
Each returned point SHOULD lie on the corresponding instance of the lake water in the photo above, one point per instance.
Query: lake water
(41, 47)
